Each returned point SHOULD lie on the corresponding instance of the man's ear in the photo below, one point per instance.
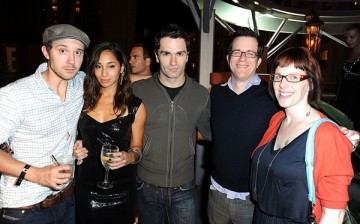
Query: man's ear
(148, 61)
(258, 62)
(45, 52)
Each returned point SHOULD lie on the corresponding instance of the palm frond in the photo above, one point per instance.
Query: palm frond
(335, 114)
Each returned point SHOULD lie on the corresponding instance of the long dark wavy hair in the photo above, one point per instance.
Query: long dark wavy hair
(92, 87)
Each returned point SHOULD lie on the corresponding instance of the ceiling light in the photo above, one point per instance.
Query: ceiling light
(313, 35)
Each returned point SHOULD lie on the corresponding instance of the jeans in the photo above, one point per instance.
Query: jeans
(224, 210)
(178, 202)
(61, 213)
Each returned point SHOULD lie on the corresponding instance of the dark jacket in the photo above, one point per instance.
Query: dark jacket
(170, 131)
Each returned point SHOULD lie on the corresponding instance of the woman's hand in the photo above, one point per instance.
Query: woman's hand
(80, 152)
(121, 159)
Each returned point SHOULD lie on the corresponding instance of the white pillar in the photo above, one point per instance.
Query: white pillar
(206, 67)
(206, 51)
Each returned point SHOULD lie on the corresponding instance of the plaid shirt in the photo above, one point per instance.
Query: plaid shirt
(37, 123)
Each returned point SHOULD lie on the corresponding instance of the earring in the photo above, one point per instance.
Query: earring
(121, 78)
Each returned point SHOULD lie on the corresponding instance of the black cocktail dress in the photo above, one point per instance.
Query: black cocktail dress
(116, 205)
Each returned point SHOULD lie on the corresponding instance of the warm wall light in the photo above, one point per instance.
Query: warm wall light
(313, 36)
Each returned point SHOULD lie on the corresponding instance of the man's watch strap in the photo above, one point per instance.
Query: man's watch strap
(22, 175)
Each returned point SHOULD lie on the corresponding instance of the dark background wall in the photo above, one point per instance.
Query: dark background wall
(122, 21)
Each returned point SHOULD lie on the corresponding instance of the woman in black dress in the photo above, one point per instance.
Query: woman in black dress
(348, 93)
(348, 100)
(111, 115)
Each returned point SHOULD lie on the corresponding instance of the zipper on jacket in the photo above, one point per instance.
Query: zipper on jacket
(172, 126)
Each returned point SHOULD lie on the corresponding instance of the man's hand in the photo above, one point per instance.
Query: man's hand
(352, 135)
(53, 176)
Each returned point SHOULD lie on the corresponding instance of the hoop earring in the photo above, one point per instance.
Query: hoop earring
(121, 78)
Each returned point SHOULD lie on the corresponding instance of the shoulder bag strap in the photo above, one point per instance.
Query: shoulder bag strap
(309, 157)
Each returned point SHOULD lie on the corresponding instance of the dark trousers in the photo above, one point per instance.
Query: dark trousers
(61, 213)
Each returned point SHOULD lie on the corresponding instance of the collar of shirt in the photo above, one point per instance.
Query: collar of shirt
(43, 87)
(253, 82)
(41, 83)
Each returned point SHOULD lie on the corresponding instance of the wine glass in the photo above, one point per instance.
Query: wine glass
(107, 153)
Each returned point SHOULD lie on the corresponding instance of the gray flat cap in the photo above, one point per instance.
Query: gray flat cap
(65, 31)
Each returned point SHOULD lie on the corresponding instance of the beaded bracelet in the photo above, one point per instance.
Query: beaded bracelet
(137, 151)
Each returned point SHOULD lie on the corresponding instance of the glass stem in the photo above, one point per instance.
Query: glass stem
(106, 174)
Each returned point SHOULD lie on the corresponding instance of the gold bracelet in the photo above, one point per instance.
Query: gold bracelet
(137, 151)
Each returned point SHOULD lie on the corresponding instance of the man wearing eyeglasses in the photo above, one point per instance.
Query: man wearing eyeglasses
(240, 113)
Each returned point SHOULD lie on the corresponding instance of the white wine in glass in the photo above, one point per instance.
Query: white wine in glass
(106, 153)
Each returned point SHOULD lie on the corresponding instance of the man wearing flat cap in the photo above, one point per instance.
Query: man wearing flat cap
(38, 119)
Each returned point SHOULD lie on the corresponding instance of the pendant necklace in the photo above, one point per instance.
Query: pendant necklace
(306, 115)
(267, 172)
(348, 72)
(271, 162)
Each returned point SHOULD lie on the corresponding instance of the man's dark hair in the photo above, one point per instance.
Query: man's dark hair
(171, 31)
(246, 32)
(145, 47)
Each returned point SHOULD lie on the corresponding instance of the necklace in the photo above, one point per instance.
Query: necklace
(267, 172)
(306, 115)
(272, 161)
(348, 72)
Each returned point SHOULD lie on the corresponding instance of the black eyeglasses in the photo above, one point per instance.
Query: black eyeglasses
(289, 78)
(238, 53)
